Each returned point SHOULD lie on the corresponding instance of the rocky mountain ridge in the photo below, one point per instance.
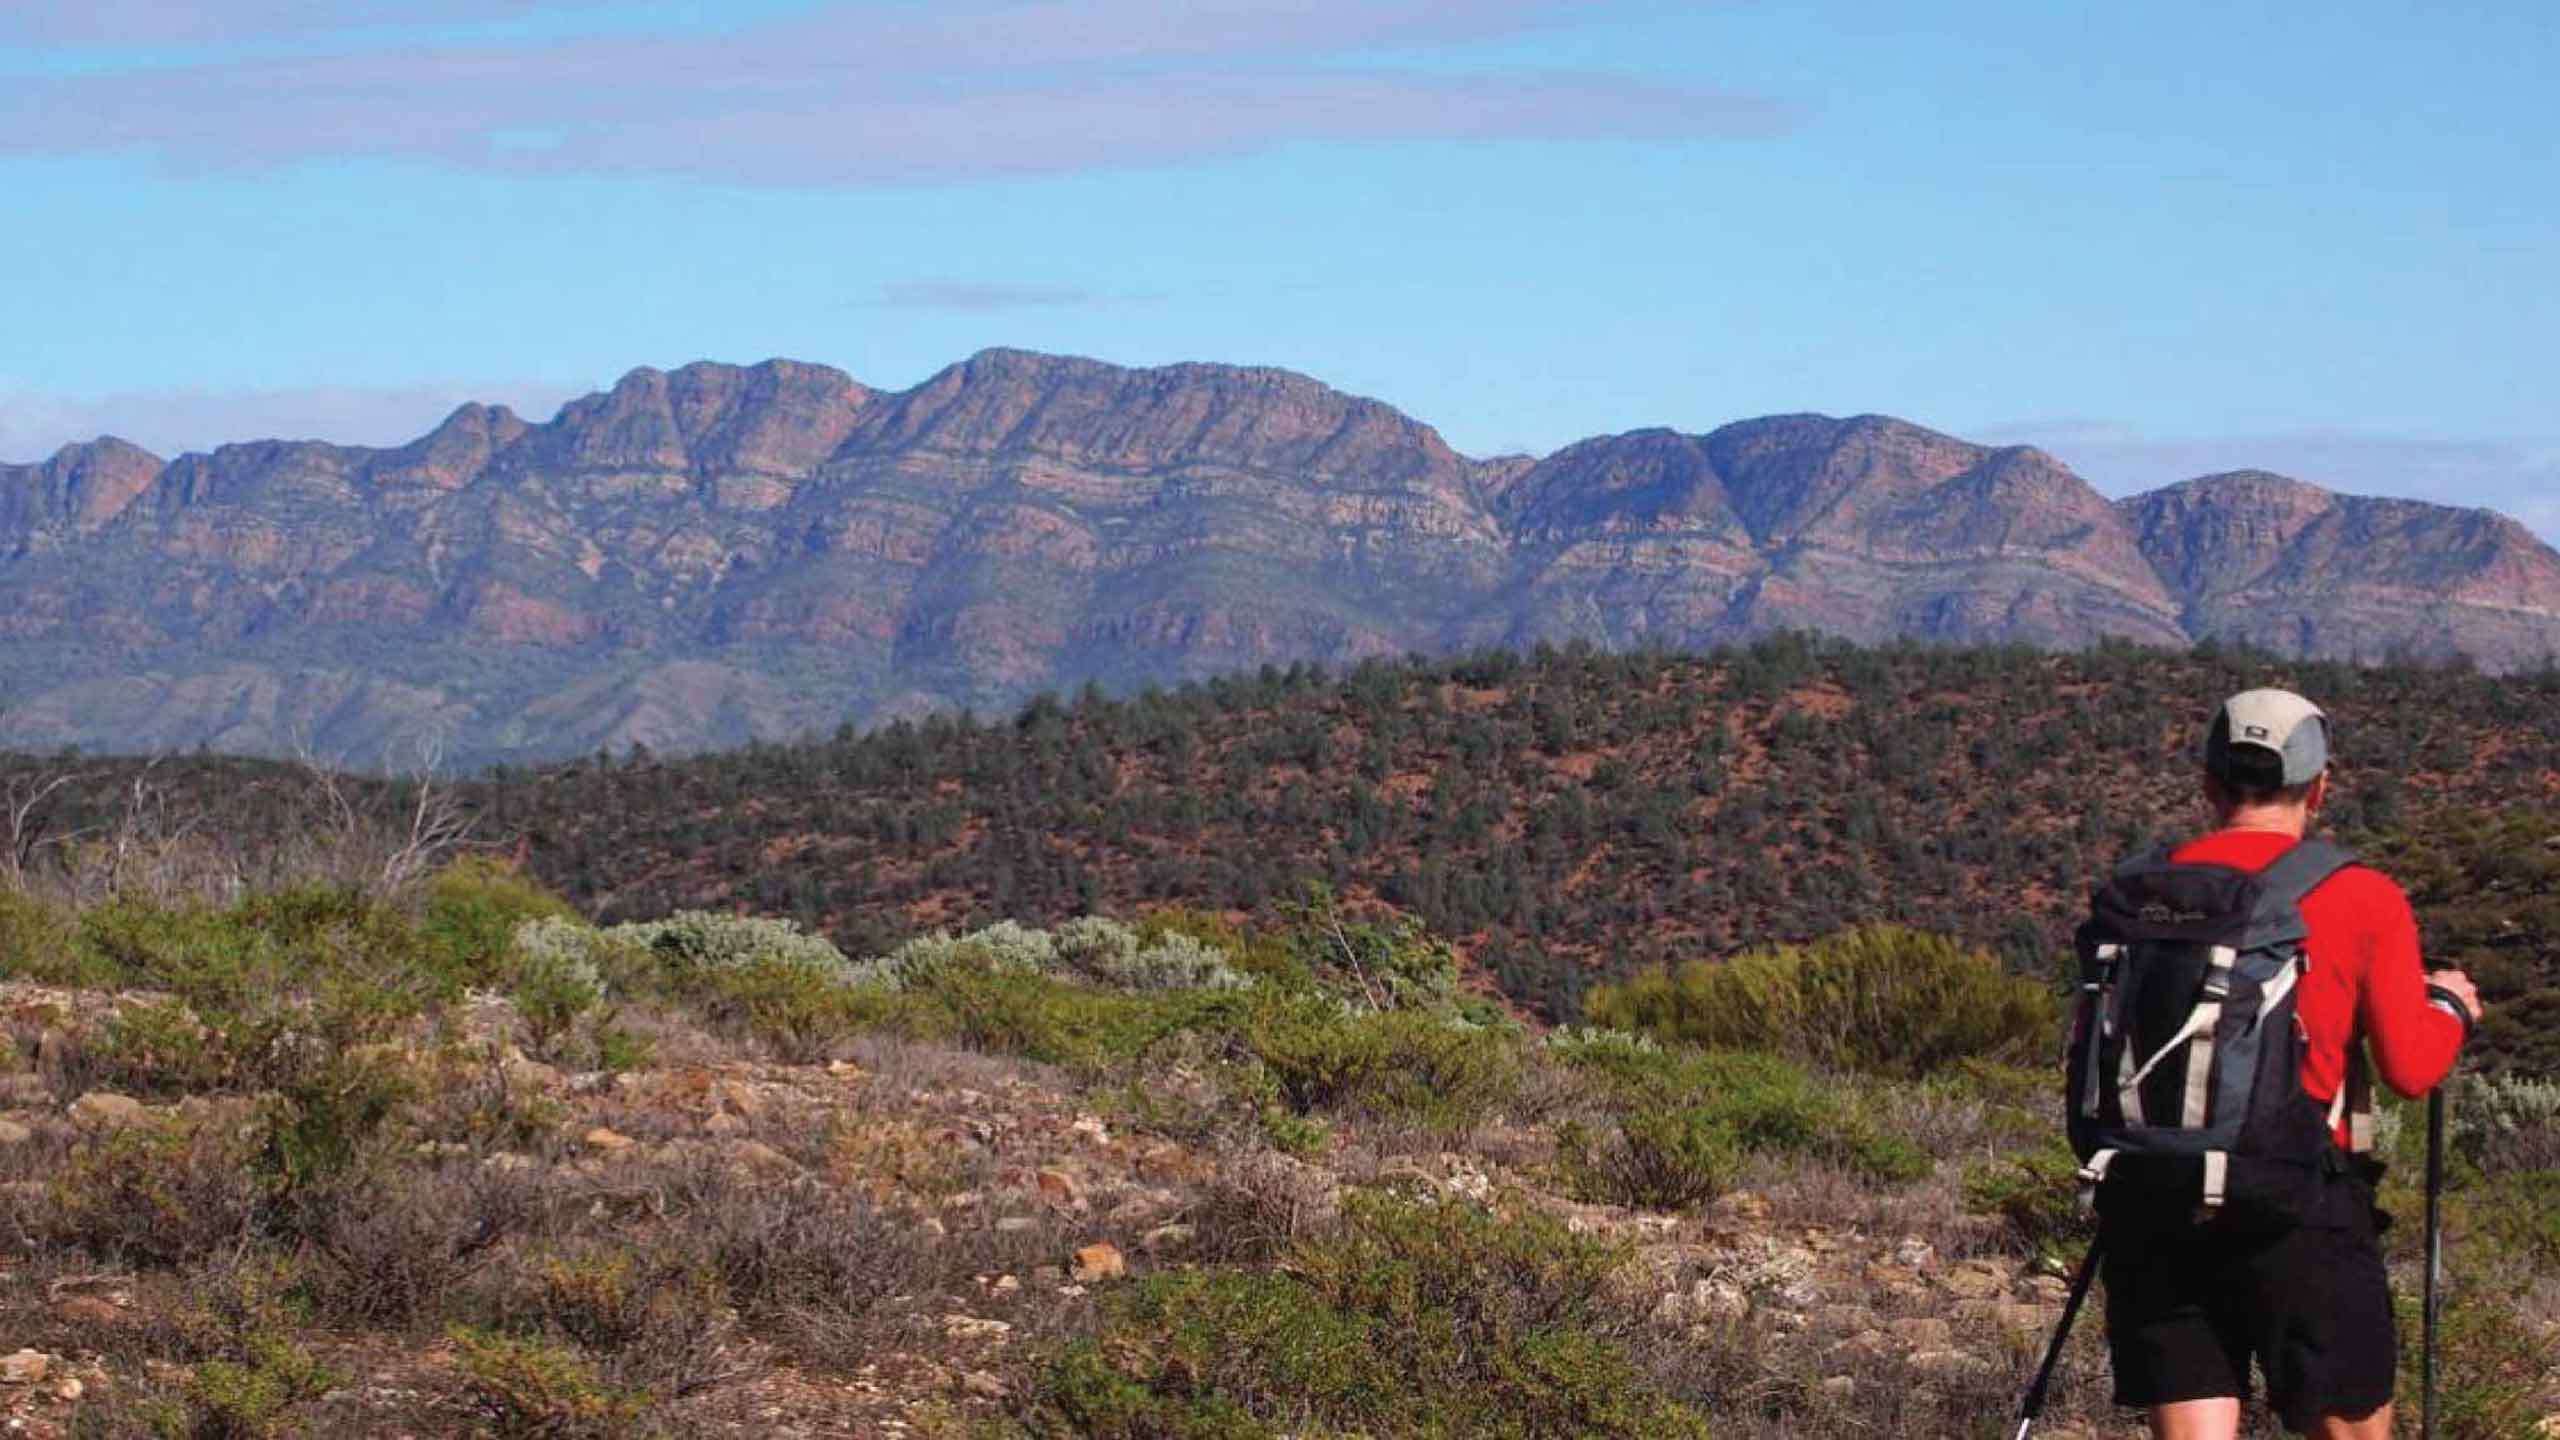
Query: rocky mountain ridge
(716, 553)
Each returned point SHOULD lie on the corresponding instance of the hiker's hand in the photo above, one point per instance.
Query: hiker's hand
(2459, 986)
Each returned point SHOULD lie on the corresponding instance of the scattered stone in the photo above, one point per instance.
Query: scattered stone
(1093, 1130)
(1916, 1253)
(1059, 1188)
(974, 1327)
(758, 1156)
(844, 1070)
(611, 1142)
(1016, 1225)
(725, 1125)
(528, 1074)
(1840, 1387)
(1976, 1280)
(90, 1310)
(1165, 1239)
(25, 1088)
(27, 1367)
(13, 1133)
(1005, 1285)
(1098, 1262)
(742, 1099)
(983, 1385)
(1867, 1344)
(105, 1110)
(1949, 1364)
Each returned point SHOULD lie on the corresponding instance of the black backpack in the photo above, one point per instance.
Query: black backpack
(2185, 1088)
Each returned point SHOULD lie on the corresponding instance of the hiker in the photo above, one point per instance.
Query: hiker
(2233, 1185)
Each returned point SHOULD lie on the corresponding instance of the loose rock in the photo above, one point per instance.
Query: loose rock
(27, 1367)
(1099, 1262)
(104, 1110)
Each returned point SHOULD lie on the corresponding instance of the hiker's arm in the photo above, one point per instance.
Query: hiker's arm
(2414, 1042)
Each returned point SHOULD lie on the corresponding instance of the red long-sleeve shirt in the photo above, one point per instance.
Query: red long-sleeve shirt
(2366, 977)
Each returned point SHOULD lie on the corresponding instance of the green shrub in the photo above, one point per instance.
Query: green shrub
(2038, 1193)
(656, 1321)
(256, 1376)
(2520, 1214)
(1410, 1321)
(2491, 1364)
(1384, 962)
(531, 1388)
(802, 1013)
(1659, 1159)
(1686, 1121)
(37, 943)
(1880, 998)
(1320, 1056)
(1258, 955)
(1063, 1023)
(471, 912)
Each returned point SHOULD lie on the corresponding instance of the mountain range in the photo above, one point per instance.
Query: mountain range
(718, 553)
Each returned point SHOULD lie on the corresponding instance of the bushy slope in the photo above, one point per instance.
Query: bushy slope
(1563, 817)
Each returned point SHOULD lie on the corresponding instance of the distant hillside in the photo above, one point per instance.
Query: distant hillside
(1564, 816)
(718, 554)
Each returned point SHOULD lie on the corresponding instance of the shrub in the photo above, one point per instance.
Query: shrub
(1110, 953)
(1002, 948)
(802, 1013)
(1387, 962)
(2520, 1213)
(166, 1193)
(1062, 1023)
(691, 944)
(472, 911)
(658, 1322)
(1880, 998)
(392, 1245)
(2038, 1193)
(554, 979)
(1686, 1121)
(2503, 1123)
(36, 942)
(532, 1388)
(1410, 1321)
(1403, 1063)
(255, 1376)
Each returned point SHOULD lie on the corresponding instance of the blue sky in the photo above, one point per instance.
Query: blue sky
(2158, 240)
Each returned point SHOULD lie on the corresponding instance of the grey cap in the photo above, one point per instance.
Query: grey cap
(2267, 738)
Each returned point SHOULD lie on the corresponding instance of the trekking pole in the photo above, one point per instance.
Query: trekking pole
(2031, 1409)
(2434, 1292)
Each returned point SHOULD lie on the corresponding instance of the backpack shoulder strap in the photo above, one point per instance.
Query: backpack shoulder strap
(2151, 858)
(2277, 920)
(2299, 871)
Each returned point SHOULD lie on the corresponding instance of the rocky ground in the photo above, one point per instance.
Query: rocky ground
(1020, 1197)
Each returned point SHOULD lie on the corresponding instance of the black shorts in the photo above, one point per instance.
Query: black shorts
(2189, 1307)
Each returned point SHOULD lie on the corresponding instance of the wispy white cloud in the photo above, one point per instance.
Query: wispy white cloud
(127, 23)
(982, 296)
(2518, 476)
(873, 93)
(34, 424)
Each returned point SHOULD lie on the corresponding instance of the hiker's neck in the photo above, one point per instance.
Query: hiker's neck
(2293, 820)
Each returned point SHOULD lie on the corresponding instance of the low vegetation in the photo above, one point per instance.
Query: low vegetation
(390, 1134)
